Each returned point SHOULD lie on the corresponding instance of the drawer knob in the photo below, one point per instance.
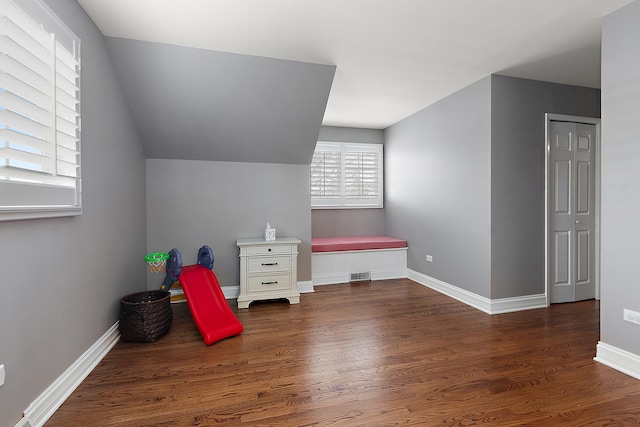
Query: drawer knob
(269, 249)
(270, 283)
(269, 263)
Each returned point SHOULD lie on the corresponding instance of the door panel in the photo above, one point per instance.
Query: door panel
(563, 138)
(562, 247)
(563, 184)
(572, 186)
(583, 181)
(585, 211)
(583, 251)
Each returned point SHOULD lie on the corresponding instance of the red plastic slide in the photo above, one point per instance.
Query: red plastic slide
(209, 309)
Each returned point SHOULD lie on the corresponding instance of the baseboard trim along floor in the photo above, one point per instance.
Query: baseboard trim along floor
(53, 397)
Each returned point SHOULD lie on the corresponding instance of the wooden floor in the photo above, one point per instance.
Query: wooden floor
(368, 354)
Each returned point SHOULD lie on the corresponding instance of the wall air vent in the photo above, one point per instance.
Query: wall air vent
(24, 422)
(360, 277)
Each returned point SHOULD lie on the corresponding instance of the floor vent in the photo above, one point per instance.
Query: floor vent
(360, 277)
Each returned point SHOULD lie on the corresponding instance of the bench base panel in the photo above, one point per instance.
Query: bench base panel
(337, 267)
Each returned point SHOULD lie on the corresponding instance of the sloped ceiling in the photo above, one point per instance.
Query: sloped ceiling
(200, 104)
(392, 58)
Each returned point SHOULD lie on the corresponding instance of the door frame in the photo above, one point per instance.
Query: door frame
(549, 117)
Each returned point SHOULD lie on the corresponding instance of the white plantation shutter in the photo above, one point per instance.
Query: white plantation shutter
(39, 115)
(346, 176)
(361, 175)
(326, 174)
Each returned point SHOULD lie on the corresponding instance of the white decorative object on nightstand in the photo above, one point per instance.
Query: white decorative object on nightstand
(269, 233)
(268, 270)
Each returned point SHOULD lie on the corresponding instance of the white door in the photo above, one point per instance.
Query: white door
(572, 207)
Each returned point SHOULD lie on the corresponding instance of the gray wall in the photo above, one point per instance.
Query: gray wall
(518, 108)
(348, 222)
(620, 177)
(438, 188)
(465, 183)
(342, 134)
(191, 203)
(62, 278)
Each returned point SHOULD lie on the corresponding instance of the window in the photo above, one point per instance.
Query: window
(39, 113)
(346, 175)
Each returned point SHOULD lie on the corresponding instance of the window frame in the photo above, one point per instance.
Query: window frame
(342, 201)
(42, 169)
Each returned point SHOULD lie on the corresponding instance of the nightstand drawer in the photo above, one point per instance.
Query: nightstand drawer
(268, 264)
(268, 283)
(269, 249)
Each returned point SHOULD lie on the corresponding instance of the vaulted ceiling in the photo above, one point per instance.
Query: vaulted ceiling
(211, 77)
(192, 103)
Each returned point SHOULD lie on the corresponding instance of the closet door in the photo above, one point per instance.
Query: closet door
(572, 204)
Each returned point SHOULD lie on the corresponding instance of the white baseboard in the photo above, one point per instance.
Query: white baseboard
(230, 292)
(489, 306)
(618, 359)
(399, 273)
(49, 401)
(330, 279)
(525, 302)
(24, 422)
(462, 295)
(305, 287)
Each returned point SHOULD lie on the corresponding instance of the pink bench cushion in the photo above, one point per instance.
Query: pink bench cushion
(355, 243)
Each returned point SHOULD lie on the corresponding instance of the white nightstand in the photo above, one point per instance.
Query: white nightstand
(268, 270)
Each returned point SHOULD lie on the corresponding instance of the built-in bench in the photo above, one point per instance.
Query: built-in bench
(350, 258)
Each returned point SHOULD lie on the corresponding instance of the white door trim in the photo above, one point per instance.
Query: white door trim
(549, 117)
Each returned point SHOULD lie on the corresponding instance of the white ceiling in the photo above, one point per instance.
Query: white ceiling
(393, 57)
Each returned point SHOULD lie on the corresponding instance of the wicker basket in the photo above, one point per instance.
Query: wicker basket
(145, 316)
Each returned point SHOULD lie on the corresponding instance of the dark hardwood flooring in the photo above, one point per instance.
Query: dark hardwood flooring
(379, 353)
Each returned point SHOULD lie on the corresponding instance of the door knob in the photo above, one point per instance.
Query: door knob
(577, 222)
